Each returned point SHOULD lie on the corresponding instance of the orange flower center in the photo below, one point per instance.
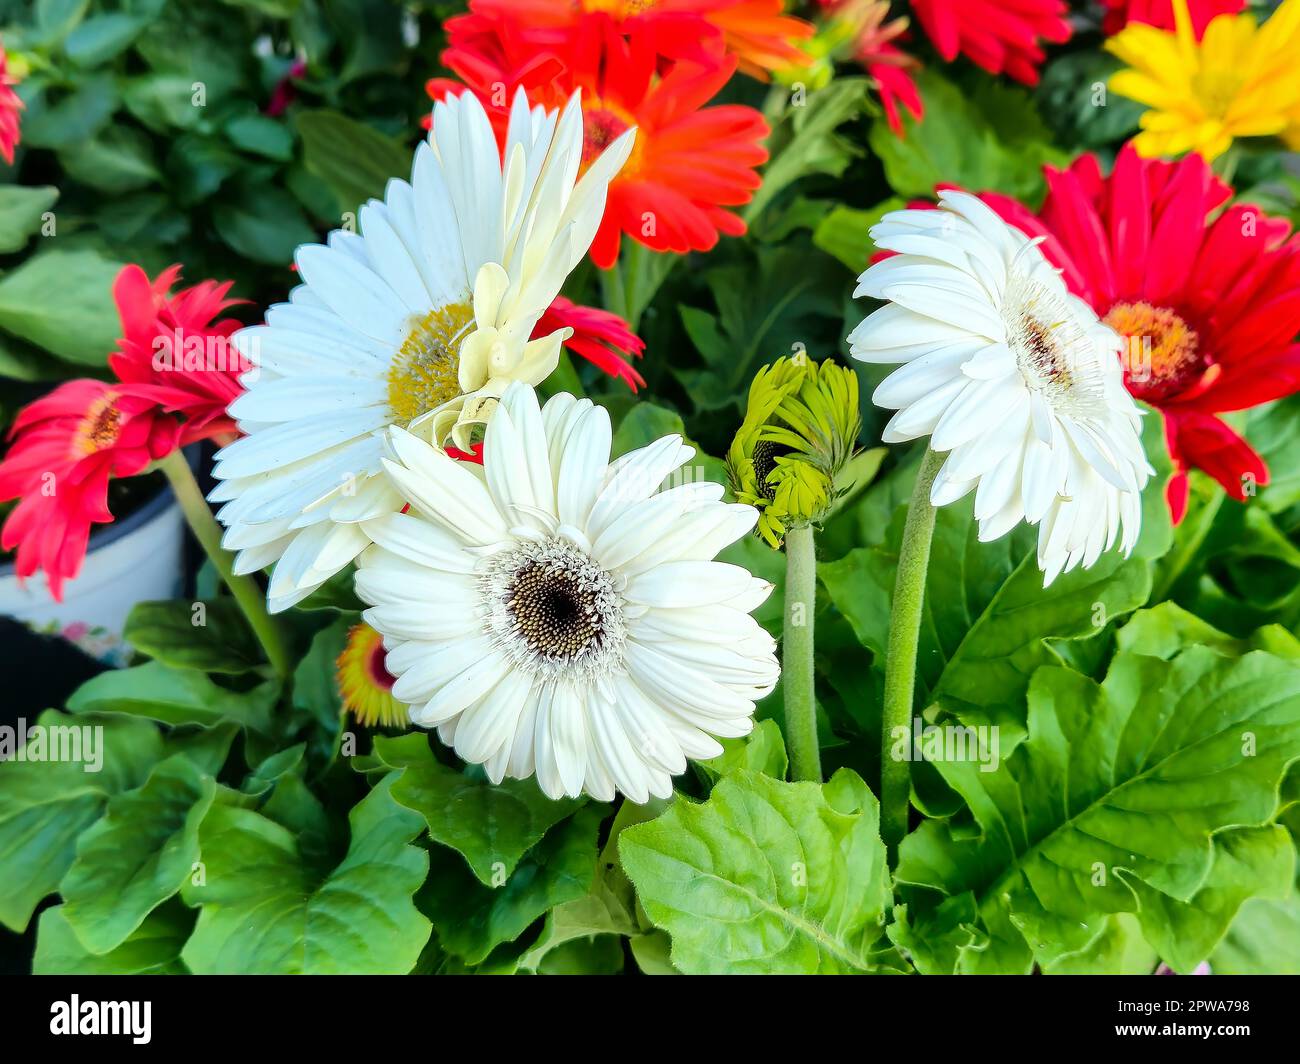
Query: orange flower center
(100, 428)
(1161, 354)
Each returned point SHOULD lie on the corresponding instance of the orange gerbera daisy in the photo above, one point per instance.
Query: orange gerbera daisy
(757, 32)
(691, 162)
(365, 684)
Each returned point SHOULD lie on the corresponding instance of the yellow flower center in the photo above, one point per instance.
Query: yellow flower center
(425, 372)
(620, 9)
(1216, 89)
(100, 428)
(1160, 349)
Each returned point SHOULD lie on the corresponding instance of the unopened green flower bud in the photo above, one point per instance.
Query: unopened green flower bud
(800, 431)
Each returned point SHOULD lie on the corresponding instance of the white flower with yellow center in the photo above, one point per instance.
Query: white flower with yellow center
(1010, 375)
(421, 320)
(553, 614)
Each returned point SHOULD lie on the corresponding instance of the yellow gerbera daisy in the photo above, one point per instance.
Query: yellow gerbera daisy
(1240, 80)
(365, 683)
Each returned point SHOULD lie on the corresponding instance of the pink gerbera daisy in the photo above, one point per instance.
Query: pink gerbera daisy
(173, 352)
(65, 448)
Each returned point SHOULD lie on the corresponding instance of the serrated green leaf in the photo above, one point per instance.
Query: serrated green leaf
(46, 805)
(154, 948)
(1118, 788)
(762, 750)
(765, 877)
(472, 920)
(1264, 939)
(1248, 863)
(138, 854)
(958, 143)
(491, 826)
(266, 911)
(987, 618)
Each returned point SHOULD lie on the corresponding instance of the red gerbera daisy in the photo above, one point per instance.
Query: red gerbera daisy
(1210, 304)
(173, 352)
(66, 446)
(1160, 13)
(690, 162)
(10, 105)
(600, 337)
(756, 32)
(1000, 36)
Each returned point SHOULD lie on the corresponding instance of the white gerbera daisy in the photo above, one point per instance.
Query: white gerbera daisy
(555, 614)
(420, 321)
(1011, 375)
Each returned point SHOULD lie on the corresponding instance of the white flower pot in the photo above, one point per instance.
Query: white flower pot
(136, 559)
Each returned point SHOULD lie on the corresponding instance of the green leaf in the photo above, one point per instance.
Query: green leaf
(154, 948)
(102, 37)
(353, 159)
(1000, 149)
(1163, 630)
(805, 141)
(765, 876)
(35, 306)
(846, 232)
(20, 213)
(46, 805)
(1264, 939)
(264, 911)
(55, 19)
(1074, 98)
(211, 636)
(762, 750)
(1274, 431)
(138, 855)
(261, 135)
(174, 696)
(988, 622)
(765, 307)
(1248, 863)
(1119, 789)
(164, 102)
(117, 159)
(491, 826)
(75, 118)
(264, 223)
(198, 166)
(472, 919)
(1118, 949)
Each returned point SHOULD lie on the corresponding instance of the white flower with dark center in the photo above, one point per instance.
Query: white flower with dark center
(421, 321)
(555, 614)
(1010, 375)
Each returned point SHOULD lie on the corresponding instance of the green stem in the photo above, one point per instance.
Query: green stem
(245, 590)
(797, 655)
(1187, 543)
(900, 654)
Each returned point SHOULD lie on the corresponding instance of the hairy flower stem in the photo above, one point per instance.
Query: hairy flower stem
(900, 654)
(245, 590)
(797, 655)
